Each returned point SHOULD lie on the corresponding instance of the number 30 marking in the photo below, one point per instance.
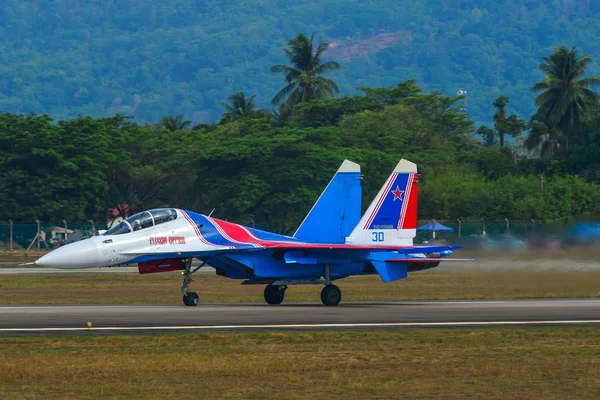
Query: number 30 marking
(378, 237)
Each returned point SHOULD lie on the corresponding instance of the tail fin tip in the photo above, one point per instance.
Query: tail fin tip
(406, 166)
(349, 166)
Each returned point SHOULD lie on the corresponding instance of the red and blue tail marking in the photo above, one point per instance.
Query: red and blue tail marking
(391, 219)
(396, 208)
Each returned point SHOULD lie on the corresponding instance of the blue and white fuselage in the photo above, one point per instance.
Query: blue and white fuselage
(333, 241)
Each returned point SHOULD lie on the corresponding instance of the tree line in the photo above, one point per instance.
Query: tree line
(267, 167)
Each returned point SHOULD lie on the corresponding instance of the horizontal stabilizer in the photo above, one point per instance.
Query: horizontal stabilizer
(390, 272)
(427, 249)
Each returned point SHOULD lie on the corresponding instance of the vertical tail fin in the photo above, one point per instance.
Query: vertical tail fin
(337, 210)
(391, 219)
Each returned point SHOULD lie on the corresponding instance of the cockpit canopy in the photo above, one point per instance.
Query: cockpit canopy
(143, 220)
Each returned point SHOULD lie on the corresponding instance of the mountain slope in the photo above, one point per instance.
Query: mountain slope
(151, 58)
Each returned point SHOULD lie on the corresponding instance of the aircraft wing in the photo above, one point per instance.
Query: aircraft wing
(355, 247)
(302, 246)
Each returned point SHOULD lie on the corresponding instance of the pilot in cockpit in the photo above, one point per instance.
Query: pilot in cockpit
(136, 225)
(172, 215)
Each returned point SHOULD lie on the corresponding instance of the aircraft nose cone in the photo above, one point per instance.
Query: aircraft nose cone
(82, 254)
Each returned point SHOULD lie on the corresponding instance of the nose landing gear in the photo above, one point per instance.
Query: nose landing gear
(189, 298)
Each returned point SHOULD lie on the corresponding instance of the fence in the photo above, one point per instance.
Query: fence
(517, 235)
(16, 236)
(474, 234)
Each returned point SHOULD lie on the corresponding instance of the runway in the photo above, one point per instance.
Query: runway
(105, 270)
(240, 317)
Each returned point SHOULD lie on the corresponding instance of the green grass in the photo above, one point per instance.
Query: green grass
(165, 288)
(14, 258)
(554, 363)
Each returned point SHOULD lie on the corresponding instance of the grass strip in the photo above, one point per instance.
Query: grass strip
(554, 363)
(164, 288)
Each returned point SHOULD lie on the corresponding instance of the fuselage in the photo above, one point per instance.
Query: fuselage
(159, 234)
(331, 243)
(139, 238)
(235, 251)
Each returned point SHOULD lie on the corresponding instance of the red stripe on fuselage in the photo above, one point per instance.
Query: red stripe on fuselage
(224, 233)
(187, 217)
(239, 233)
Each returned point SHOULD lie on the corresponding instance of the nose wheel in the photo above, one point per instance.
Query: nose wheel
(189, 298)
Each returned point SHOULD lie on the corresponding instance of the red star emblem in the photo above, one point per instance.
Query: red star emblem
(397, 193)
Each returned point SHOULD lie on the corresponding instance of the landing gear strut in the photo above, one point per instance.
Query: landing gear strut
(331, 295)
(189, 298)
(274, 294)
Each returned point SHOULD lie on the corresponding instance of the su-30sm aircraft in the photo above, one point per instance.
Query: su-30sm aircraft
(333, 241)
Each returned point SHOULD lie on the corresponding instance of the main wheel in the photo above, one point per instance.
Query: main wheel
(331, 295)
(191, 299)
(274, 294)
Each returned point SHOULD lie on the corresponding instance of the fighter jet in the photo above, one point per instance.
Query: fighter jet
(333, 241)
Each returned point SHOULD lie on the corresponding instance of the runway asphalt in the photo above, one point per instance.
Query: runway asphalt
(240, 317)
(105, 270)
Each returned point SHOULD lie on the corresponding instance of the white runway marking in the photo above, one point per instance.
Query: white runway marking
(305, 326)
(454, 302)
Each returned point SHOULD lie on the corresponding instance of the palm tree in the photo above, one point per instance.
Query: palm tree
(174, 124)
(303, 77)
(283, 115)
(565, 100)
(239, 105)
(511, 125)
(547, 140)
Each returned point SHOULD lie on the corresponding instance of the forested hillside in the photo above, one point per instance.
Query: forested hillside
(260, 169)
(153, 58)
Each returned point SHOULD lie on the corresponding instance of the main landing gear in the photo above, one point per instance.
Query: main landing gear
(189, 298)
(331, 295)
(274, 294)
